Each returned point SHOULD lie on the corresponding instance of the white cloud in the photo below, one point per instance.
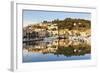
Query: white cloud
(26, 23)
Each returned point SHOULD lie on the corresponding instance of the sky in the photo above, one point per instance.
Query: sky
(33, 16)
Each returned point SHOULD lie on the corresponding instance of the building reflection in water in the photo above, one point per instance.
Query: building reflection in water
(64, 47)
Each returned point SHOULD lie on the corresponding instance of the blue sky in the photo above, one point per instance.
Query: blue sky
(32, 16)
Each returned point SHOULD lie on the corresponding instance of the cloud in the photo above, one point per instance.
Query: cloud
(26, 23)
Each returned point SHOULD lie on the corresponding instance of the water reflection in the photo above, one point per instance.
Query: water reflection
(58, 47)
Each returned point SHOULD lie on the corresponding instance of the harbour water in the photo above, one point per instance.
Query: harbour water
(64, 50)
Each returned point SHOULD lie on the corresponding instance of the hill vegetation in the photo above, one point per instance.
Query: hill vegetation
(69, 23)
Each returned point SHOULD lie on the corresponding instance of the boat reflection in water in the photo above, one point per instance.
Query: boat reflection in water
(56, 49)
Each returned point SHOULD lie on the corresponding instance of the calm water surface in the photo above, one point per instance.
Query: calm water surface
(56, 50)
(38, 57)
